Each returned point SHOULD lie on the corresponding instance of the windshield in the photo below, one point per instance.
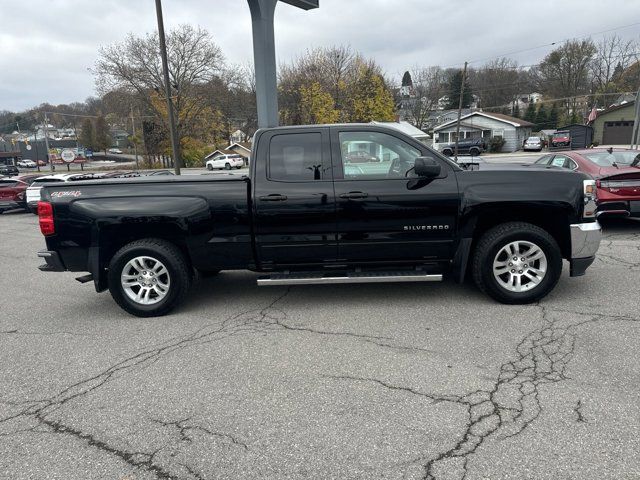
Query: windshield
(533, 139)
(47, 180)
(560, 134)
(606, 159)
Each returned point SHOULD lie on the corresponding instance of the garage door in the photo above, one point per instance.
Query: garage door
(617, 133)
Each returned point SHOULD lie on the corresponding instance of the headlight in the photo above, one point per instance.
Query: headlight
(590, 195)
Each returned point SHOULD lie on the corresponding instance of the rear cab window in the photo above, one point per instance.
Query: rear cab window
(297, 157)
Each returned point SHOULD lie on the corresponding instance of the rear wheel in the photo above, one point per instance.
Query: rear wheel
(447, 151)
(149, 277)
(474, 152)
(517, 263)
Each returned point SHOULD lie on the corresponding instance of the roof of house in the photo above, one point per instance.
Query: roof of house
(616, 107)
(516, 122)
(220, 151)
(245, 145)
(405, 127)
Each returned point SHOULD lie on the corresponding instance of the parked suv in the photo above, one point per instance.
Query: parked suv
(469, 146)
(9, 170)
(225, 161)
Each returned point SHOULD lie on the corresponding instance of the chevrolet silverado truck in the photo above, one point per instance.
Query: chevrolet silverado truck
(305, 215)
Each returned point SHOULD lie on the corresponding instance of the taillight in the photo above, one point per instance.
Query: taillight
(590, 196)
(45, 215)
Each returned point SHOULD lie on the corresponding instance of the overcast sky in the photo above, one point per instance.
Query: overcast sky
(47, 46)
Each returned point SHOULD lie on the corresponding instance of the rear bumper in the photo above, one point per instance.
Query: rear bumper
(619, 209)
(54, 263)
(585, 241)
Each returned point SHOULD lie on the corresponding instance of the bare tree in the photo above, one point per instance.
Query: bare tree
(612, 57)
(429, 85)
(134, 66)
(499, 82)
(564, 73)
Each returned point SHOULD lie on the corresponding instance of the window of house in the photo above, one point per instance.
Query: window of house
(296, 157)
(498, 133)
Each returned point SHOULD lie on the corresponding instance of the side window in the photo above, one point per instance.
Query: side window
(296, 157)
(543, 160)
(375, 156)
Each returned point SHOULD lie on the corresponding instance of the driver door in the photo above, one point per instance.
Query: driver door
(384, 212)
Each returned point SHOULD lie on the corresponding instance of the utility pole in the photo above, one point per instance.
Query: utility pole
(635, 134)
(464, 76)
(135, 145)
(46, 141)
(175, 146)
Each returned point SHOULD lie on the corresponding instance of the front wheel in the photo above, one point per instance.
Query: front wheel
(149, 277)
(517, 263)
(474, 152)
(447, 152)
(227, 166)
(209, 167)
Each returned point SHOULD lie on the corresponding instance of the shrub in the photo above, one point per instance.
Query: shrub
(496, 144)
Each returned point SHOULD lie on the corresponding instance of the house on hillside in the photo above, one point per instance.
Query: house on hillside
(614, 125)
(513, 130)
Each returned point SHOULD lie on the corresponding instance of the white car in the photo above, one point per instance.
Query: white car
(115, 151)
(225, 161)
(26, 163)
(33, 191)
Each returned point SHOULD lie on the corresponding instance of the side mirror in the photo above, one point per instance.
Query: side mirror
(427, 167)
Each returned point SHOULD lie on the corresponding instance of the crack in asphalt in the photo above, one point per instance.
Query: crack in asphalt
(578, 410)
(513, 403)
(265, 320)
(185, 427)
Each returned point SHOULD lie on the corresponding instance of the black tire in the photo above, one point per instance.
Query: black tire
(494, 240)
(239, 167)
(170, 256)
(447, 151)
(227, 166)
(209, 167)
(474, 152)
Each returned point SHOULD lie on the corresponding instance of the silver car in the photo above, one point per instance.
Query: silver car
(532, 143)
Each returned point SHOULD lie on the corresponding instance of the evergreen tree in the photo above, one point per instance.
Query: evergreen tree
(530, 113)
(101, 138)
(455, 82)
(552, 120)
(86, 134)
(406, 80)
(542, 119)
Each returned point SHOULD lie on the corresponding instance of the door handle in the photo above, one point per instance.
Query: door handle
(274, 197)
(354, 195)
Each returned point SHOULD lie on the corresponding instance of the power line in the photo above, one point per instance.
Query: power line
(546, 45)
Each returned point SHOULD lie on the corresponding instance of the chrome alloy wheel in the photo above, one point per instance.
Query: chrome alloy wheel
(520, 266)
(145, 280)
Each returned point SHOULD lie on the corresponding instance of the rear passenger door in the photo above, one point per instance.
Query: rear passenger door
(294, 200)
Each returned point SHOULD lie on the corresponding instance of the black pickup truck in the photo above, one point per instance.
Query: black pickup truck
(304, 215)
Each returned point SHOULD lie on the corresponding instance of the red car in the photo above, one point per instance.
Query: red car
(561, 139)
(13, 191)
(617, 175)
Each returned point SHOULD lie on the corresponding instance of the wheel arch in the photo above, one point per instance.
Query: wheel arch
(554, 219)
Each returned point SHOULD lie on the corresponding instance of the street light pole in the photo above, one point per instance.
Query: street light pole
(167, 87)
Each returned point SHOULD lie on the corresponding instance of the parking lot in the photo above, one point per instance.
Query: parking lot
(356, 381)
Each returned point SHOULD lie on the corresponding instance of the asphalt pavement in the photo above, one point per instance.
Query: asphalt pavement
(348, 382)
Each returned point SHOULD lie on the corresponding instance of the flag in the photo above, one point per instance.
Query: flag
(593, 114)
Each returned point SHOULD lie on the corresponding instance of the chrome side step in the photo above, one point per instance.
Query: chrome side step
(354, 277)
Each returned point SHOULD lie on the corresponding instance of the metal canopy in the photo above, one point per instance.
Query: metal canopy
(264, 56)
(304, 4)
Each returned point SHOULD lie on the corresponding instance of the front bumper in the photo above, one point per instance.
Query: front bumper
(54, 263)
(10, 204)
(585, 241)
